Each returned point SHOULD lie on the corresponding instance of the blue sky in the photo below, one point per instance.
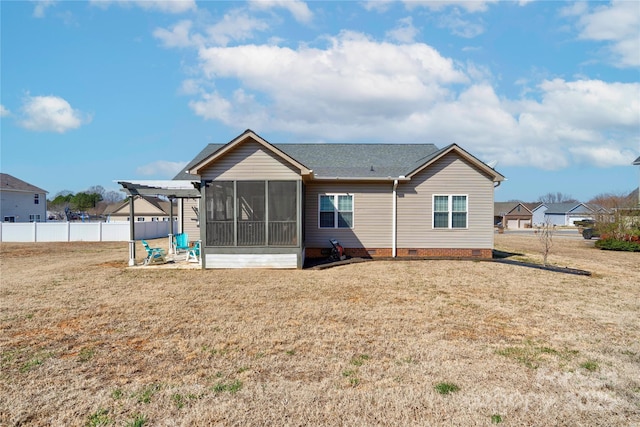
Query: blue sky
(97, 91)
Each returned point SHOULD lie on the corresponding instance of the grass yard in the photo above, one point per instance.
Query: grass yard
(87, 341)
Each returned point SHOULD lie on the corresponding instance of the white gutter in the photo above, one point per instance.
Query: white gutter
(394, 220)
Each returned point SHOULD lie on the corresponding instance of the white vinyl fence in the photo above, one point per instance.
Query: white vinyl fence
(82, 231)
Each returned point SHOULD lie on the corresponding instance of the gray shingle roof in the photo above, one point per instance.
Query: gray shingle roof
(206, 152)
(562, 208)
(503, 208)
(345, 160)
(637, 161)
(360, 160)
(9, 182)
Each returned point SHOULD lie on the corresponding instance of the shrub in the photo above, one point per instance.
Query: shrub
(612, 244)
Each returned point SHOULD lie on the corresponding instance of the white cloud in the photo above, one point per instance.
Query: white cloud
(405, 32)
(356, 88)
(353, 79)
(234, 26)
(165, 6)
(619, 25)
(177, 36)
(460, 26)
(377, 5)
(50, 114)
(41, 7)
(190, 87)
(161, 168)
(592, 104)
(575, 9)
(470, 6)
(297, 8)
(3, 111)
(603, 156)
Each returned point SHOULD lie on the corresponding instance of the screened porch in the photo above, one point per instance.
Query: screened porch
(252, 213)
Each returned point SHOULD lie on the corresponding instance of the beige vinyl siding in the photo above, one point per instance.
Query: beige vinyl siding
(142, 209)
(189, 224)
(372, 204)
(449, 175)
(250, 161)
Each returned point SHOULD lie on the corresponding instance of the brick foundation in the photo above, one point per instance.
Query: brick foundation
(403, 253)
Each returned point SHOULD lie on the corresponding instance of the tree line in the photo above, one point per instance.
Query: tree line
(606, 200)
(91, 201)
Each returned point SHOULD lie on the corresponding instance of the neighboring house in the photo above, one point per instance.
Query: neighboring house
(562, 213)
(274, 205)
(634, 196)
(514, 215)
(21, 201)
(637, 163)
(145, 209)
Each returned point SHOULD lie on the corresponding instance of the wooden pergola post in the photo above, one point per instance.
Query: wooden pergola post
(172, 250)
(132, 234)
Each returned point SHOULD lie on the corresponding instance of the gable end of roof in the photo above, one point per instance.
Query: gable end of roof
(247, 135)
(497, 176)
(11, 183)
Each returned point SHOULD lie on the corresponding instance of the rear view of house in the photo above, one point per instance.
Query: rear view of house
(274, 205)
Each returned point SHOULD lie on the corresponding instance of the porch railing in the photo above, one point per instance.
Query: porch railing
(252, 233)
(219, 233)
(282, 233)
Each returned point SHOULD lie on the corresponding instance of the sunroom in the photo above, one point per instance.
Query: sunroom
(252, 223)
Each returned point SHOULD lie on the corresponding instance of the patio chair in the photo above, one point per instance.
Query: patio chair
(193, 255)
(154, 255)
(181, 242)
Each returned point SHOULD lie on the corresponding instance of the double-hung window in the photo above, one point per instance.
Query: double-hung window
(336, 211)
(450, 211)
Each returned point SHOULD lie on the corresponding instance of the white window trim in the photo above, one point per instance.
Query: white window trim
(449, 212)
(336, 211)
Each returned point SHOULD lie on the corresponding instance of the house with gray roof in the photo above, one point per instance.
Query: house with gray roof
(21, 201)
(145, 208)
(275, 205)
(637, 163)
(563, 213)
(514, 215)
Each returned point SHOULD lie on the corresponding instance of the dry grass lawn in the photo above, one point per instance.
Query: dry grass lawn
(85, 340)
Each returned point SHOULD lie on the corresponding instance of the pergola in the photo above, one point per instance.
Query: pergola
(172, 189)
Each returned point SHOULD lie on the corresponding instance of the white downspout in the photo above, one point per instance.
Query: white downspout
(394, 220)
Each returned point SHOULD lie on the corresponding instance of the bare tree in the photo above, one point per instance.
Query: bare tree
(612, 201)
(545, 235)
(113, 196)
(615, 214)
(557, 197)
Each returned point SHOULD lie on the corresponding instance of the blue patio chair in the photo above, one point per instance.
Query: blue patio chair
(194, 252)
(154, 255)
(181, 242)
